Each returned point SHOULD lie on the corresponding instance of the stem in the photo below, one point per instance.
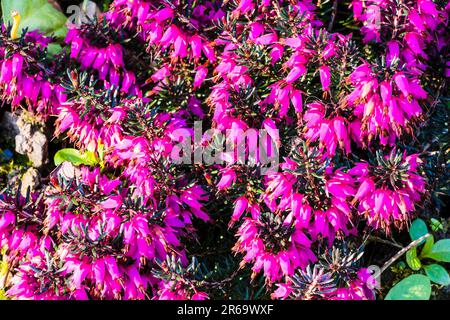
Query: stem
(401, 252)
(377, 239)
(333, 15)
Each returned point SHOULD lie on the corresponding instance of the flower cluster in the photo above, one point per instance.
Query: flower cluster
(107, 242)
(388, 192)
(104, 57)
(385, 107)
(342, 110)
(319, 284)
(24, 79)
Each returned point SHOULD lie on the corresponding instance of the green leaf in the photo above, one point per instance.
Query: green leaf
(418, 229)
(36, 14)
(436, 225)
(414, 287)
(412, 260)
(427, 247)
(437, 274)
(75, 157)
(53, 49)
(3, 295)
(440, 251)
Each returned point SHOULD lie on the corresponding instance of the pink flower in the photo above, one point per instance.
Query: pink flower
(295, 73)
(393, 52)
(266, 39)
(200, 296)
(200, 76)
(297, 100)
(244, 6)
(240, 206)
(402, 83)
(325, 77)
(228, 178)
(341, 134)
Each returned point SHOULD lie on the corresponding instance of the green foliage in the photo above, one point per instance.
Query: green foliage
(408, 288)
(436, 225)
(427, 247)
(2, 295)
(437, 274)
(76, 157)
(412, 260)
(418, 229)
(36, 14)
(440, 251)
(414, 287)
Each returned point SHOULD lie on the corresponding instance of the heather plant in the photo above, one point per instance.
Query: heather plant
(352, 97)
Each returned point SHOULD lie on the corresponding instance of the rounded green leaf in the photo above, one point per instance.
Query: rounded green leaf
(418, 229)
(440, 251)
(36, 15)
(75, 157)
(415, 287)
(437, 274)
